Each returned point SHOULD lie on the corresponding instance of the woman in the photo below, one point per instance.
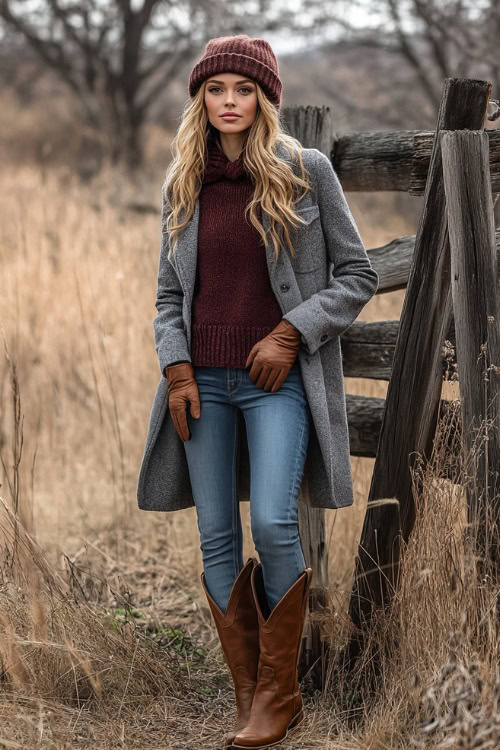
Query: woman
(248, 204)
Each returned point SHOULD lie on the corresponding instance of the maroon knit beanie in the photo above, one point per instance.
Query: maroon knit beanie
(239, 54)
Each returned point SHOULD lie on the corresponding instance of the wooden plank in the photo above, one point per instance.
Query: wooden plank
(374, 160)
(364, 417)
(314, 655)
(474, 269)
(312, 126)
(395, 160)
(414, 390)
(392, 262)
(368, 349)
(422, 152)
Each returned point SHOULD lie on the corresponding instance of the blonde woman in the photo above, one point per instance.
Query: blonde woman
(261, 268)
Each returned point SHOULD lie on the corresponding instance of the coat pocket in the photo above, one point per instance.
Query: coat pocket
(306, 241)
(309, 213)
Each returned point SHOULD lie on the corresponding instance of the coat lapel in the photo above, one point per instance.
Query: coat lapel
(186, 255)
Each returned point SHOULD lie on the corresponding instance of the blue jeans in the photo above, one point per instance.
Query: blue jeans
(277, 426)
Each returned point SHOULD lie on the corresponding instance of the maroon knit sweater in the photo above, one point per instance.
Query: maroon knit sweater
(234, 305)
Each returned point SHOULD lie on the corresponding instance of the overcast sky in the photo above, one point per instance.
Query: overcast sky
(283, 42)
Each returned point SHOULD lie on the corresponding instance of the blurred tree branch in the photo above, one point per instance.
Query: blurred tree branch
(432, 39)
(436, 39)
(116, 57)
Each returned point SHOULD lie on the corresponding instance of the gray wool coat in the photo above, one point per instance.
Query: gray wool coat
(321, 293)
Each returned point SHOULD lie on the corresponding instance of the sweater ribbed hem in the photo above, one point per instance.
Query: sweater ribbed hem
(215, 345)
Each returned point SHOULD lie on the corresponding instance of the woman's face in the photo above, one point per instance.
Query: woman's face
(231, 93)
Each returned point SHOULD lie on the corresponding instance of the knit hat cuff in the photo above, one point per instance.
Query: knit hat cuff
(227, 61)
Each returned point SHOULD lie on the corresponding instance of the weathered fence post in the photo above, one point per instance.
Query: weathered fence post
(312, 126)
(414, 391)
(476, 308)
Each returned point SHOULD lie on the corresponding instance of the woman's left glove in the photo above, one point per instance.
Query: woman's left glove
(272, 357)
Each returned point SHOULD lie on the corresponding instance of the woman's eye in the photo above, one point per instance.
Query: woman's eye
(243, 88)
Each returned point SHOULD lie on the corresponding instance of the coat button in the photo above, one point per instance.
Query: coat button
(284, 287)
(324, 337)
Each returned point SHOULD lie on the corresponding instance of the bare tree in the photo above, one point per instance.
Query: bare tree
(116, 57)
(433, 39)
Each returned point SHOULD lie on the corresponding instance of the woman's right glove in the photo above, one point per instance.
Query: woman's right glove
(182, 387)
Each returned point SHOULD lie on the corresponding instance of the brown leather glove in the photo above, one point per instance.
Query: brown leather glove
(182, 387)
(272, 357)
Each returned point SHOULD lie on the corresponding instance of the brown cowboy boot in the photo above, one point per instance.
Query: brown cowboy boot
(277, 704)
(238, 631)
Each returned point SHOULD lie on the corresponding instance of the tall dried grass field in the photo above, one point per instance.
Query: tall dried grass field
(106, 640)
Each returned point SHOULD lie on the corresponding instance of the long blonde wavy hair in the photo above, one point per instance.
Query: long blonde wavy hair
(276, 183)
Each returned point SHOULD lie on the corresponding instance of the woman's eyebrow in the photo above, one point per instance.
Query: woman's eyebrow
(245, 80)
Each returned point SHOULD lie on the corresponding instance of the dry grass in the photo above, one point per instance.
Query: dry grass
(106, 639)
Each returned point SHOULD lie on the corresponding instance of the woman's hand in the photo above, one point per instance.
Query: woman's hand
(182, 387)
(272, 357)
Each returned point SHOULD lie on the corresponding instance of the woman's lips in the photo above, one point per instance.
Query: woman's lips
(230, 117)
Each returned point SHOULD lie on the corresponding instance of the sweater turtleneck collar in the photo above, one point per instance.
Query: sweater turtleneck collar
(219, 167)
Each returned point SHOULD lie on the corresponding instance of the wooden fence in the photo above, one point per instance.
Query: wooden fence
(450, 271)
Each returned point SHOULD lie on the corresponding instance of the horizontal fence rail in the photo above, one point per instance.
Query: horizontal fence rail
(395, 160)
(393, 261)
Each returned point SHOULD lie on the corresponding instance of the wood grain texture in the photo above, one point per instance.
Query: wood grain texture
(368, 349)
(413, 396)
(477, 316)
(364, 415)
(312, 126)
(395, 160)
(393, 261)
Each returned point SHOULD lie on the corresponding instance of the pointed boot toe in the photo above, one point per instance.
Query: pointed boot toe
(277, 705)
